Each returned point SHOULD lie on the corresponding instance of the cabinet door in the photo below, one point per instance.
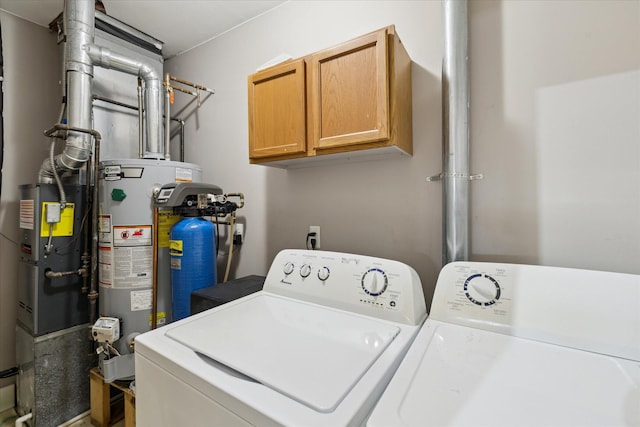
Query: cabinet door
(277, 111)
(349, 95)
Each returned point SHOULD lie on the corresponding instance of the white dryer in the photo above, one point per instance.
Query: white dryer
(516, 345)
(316, 347)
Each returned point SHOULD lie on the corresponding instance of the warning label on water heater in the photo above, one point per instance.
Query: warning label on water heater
(139, 235)
(128, 261)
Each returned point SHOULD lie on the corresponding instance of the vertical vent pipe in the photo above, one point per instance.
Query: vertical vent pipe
(79, 30)
(455, 96)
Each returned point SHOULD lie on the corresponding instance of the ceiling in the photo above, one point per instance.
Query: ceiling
(180, 24)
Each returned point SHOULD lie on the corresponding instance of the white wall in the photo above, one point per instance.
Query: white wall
(31, 100)
(555, 128)
(382, 208)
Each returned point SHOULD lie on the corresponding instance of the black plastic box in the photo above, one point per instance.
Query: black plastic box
(213, 296)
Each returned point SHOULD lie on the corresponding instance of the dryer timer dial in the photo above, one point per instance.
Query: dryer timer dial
(482, 289)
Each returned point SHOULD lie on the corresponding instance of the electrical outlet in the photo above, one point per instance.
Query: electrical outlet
(238, 234)
(315, 229)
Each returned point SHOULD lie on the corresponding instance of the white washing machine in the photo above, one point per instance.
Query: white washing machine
(516, 345)
(316, 347)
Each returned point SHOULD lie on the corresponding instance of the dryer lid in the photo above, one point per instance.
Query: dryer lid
(312, 354)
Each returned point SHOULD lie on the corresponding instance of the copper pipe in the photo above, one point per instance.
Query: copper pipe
(188, 83)
(183, 90)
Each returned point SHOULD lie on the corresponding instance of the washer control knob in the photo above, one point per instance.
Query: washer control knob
(305, 270)
(288, 268)
(374, 282)
(323, 273)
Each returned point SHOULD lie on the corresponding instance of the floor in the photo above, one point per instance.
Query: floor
(8, 418)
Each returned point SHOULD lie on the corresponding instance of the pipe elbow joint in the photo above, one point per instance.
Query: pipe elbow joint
(46, 175)
(99, 55)
(148, 74)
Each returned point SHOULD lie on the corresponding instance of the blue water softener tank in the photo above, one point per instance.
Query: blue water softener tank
(193, 261)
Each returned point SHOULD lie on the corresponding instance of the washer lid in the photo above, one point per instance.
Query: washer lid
(312, 354)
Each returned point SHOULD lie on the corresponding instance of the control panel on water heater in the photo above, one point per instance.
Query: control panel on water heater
(373, 286)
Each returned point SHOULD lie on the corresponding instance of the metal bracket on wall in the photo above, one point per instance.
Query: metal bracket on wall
(442, 176)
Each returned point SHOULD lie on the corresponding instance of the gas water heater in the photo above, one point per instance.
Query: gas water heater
(126, 245)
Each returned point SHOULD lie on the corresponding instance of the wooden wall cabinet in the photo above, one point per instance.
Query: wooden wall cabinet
(353, 99)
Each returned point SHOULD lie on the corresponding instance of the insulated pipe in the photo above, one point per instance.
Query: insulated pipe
(140, 120)
(79, 31)
(154, 283)
(167, 117)
(181, 139)
(105, 58)
(455, 127)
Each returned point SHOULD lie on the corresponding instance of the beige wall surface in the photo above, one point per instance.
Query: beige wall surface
(555, 129)
(381, 208)
(31, 105)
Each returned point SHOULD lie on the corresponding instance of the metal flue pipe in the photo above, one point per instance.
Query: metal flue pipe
(455, 96)
(79, 28)
(80, 56)
(106, 58)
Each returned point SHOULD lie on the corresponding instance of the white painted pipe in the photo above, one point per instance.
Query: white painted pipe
(20, 421)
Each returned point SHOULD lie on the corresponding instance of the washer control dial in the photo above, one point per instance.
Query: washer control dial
(323, 273)
(305, 270)
(482, 289)
(288, 268)
(374, 282)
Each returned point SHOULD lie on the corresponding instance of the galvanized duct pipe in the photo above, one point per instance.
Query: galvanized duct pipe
(79, 29)
(80, 55)
(105, 58)
(455, 96)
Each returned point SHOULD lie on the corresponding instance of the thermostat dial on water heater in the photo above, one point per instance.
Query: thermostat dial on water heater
(374, 282)
(482, 289)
